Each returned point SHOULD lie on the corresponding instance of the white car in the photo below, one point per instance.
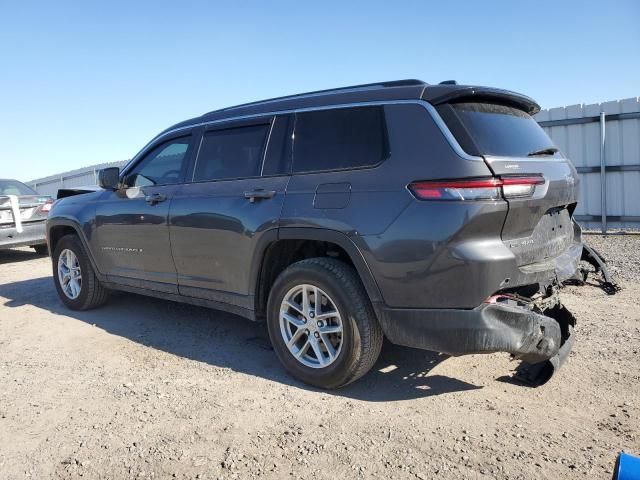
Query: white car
(23, 216)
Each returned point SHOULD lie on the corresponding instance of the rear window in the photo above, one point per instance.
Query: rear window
(340, 138)
(490, 129)
(13, 187)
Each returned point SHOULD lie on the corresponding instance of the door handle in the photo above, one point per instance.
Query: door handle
(155, 198)
(259, 194)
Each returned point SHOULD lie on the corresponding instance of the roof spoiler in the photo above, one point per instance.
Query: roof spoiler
(438, 94)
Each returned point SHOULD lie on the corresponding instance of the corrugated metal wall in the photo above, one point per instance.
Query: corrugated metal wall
(609, 164)
(82, 177)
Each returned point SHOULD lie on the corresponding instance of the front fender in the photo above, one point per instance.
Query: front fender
(80, 217)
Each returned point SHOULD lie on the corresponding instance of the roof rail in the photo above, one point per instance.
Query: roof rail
(366, 86)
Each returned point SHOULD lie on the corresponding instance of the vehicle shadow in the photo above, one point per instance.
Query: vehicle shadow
(13, 255)
(228, 341)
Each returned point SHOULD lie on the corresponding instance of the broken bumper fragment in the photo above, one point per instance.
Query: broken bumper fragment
(505, 324)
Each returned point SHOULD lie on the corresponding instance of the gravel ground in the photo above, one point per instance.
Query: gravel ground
(144, 388)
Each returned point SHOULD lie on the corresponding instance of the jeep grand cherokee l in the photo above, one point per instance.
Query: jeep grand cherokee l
(439, 216)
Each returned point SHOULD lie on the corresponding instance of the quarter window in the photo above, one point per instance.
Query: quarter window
(163, 166)
(340, 138)
(231, 153)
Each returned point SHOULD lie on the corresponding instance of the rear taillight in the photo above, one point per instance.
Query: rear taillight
(47, 206)
(477, 189)
(514, 187)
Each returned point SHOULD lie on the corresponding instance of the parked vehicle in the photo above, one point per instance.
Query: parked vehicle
(23, 216)
(439, 216)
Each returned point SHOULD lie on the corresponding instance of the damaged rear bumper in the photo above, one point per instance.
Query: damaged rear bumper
(543, 339)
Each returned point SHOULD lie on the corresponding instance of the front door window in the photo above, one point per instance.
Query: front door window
(163, 166)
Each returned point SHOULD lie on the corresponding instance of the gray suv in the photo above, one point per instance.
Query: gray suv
(437, 216)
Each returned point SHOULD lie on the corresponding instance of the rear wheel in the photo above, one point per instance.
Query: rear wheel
(321, 323)
(74, 277)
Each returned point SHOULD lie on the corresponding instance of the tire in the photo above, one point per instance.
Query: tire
(91, 293)
(355, 349)
(41, 249)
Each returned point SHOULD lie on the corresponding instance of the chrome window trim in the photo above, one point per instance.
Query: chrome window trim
(195, 160)
(427, 106)
(266, 145)
(447, 133)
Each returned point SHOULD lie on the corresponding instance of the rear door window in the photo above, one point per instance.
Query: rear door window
(231, 153)
(339, 139)
(491, 129)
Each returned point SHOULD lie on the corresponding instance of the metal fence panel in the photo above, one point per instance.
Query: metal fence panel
(607, 156)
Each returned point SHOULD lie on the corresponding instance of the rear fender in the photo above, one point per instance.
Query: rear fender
(343, 241)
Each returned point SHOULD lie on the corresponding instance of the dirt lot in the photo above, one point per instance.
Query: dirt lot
(145, 388)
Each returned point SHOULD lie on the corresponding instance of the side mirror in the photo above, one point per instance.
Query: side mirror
(109, 178)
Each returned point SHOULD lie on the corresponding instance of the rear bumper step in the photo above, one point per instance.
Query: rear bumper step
(535, 338)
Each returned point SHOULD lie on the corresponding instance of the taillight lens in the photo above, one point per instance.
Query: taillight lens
(47, 206)
(514, 187)
(477, 189)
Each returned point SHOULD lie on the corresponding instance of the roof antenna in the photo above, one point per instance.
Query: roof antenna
(448, 82)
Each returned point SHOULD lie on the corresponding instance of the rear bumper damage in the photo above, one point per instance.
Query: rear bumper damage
(598, 262)
(538, 332)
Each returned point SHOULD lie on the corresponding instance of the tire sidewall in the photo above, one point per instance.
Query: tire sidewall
(72, 243)
(336, 373)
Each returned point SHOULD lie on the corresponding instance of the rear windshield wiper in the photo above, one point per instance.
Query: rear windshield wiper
(543, 151)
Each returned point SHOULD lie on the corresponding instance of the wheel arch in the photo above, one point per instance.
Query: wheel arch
(58, 228)
(296, 243)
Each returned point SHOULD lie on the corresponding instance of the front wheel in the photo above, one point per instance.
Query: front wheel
(321, 323)
(74, 277)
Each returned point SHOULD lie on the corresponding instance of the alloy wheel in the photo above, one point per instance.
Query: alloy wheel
(311, 326)
(69, 274)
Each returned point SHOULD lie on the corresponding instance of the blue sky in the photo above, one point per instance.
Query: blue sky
(89, 82)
